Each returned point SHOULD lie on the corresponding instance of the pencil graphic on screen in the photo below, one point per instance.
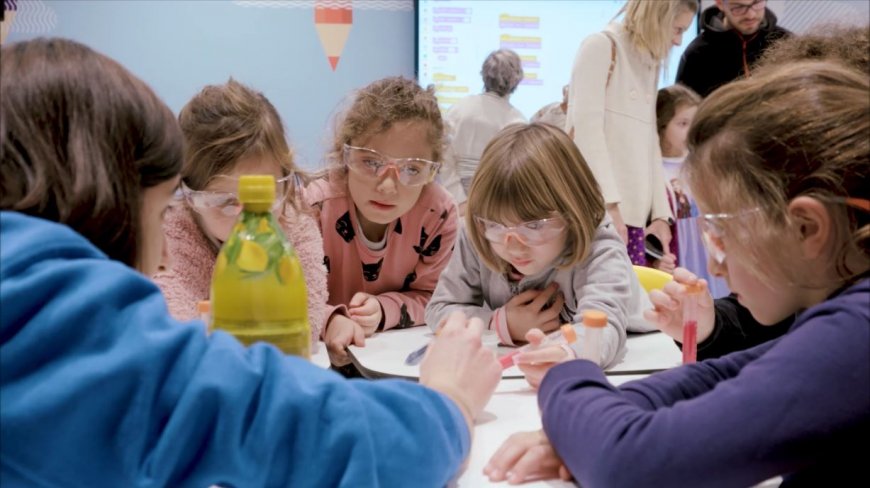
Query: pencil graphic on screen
(333, 20)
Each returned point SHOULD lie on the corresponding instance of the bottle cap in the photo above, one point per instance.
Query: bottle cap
(694, 288)
(569, 333)
(594, 318)
(257, 189)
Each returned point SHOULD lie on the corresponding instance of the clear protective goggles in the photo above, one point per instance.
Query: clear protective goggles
(532, 233)
(227, 204)
(372, 164)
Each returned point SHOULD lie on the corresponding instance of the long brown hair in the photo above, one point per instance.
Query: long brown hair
(801, 129)
(225, 123)
(81, 137)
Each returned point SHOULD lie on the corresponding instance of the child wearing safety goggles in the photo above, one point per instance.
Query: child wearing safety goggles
(388, 230)
(231, 130)
(538, 248)
(782, 185)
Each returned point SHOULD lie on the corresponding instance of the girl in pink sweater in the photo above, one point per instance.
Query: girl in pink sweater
(388, 230)
(231, 130)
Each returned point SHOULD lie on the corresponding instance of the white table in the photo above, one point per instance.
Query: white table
(384, 354)
(513, 408)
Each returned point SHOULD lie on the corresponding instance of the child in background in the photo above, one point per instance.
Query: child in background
(231, 130)
(675, 108)
(388, 230)
(538, 249)
(101, 387)
(782, 184)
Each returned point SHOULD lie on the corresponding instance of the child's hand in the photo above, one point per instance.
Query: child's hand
(667, 263)
(535, 364)
(525, 456)
(529, 310)
(667, 313)
(366, 310)
(340, 333)
(660, 229)
(457, 365)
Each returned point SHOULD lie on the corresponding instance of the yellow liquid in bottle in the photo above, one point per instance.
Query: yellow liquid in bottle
(258, 290)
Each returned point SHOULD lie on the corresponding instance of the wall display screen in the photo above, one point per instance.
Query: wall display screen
(455, 36)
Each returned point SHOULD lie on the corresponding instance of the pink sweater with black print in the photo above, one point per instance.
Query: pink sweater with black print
(404, 273)
(192, 257)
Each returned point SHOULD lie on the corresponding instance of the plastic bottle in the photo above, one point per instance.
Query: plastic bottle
(690, 322)
(258, 290)
(565, 335)
(594, 322)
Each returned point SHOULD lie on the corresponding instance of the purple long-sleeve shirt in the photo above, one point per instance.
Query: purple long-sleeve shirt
(798, 406)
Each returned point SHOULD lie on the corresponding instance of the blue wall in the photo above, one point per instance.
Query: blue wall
(179, 46)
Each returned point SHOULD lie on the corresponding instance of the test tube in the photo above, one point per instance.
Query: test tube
(594, 322)
(565, 335)
(690, 322)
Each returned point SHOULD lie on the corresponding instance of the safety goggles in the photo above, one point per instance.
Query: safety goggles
(227, 204)
(713, 232)
(532, 233)
(372, 164)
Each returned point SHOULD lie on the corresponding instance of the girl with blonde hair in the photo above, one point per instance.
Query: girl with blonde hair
(538, 248)
(612, 115)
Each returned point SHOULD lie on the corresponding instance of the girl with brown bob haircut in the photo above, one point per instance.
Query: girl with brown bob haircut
(538, 249)
(231, 130)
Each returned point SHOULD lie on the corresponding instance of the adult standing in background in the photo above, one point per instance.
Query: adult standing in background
(475, 119)
(612, 115)
(555, 113)
(735, 33)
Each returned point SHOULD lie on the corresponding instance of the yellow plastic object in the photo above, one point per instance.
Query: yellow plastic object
(651, 278)
(258, 291)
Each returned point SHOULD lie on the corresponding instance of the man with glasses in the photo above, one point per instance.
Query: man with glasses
(734, 35)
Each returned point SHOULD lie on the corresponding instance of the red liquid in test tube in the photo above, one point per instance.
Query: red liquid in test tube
(690, 322)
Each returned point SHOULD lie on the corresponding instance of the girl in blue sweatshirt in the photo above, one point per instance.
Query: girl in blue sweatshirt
(99, 386)
(779, 165)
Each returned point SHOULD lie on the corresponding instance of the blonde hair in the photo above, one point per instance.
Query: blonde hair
(225, 123)
(800, 130)
(377, 107)
(529, 172)
(649, 24)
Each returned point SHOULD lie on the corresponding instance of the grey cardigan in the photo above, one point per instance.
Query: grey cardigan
(604, 281)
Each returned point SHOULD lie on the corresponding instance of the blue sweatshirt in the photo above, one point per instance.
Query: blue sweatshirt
(99, 386)
(798, 406)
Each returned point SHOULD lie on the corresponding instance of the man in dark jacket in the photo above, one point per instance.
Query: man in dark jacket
(734, 35)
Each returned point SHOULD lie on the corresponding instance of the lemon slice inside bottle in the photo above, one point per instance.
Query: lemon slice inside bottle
(252, 257)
